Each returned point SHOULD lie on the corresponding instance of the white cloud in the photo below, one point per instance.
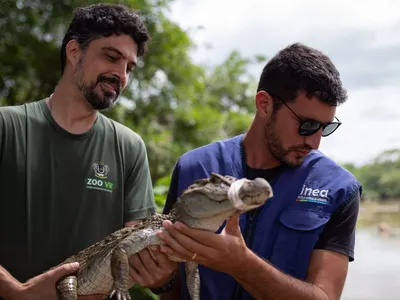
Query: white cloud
(371, 124)
(361, 37)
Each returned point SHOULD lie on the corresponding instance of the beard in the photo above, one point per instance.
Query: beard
(98, 100)
(279, 151)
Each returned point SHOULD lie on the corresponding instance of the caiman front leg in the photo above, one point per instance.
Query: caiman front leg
(193, 279)
(120, 274)
(67, 288)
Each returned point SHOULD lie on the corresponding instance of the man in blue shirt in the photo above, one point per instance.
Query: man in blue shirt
(298, 245)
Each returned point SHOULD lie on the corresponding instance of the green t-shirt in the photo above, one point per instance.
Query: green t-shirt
(61, 192)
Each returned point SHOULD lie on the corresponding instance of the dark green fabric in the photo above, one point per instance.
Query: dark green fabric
(61, 192)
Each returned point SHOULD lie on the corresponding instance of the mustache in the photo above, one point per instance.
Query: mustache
(111, 80)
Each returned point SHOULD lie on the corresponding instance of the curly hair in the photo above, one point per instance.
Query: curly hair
(299, 68)
(103, 20)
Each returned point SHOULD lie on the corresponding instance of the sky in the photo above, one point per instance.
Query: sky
(362, 38)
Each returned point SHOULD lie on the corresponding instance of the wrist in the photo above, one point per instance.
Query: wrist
(12, 290)
(244, 262)
(166, 287)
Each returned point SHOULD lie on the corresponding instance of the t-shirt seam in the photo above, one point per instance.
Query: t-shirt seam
(345, 251)
(337, 246)
(133, 215)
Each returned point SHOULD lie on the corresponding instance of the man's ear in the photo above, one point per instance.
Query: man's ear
(264, 104)
(73, 53)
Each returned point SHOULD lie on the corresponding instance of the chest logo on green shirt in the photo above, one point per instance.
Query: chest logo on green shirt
(99, 180)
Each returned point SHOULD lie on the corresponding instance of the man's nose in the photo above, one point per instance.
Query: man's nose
(122, 75)
(314, 140)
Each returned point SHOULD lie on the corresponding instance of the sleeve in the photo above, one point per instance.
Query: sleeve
(139, 196)
(173, 189)
(339, 233)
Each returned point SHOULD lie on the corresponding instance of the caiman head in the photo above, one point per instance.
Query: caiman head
(218, 197)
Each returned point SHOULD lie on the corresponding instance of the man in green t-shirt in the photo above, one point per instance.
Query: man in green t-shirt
(70, 176)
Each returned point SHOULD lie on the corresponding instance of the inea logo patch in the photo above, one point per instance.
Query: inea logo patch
(309, 194)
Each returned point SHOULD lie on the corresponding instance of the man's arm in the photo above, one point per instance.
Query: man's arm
(264, 281)
(139, 198)
(8, 284)
(340, 232)
(328, 264)
(39, 287)
(172, 194)
(150, 267)
(326, 274)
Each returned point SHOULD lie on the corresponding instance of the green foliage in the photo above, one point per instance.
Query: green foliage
(380, 177)
(173, 103)
(161, 187)
(138, 293)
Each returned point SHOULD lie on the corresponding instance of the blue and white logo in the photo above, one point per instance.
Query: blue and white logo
(309, 194)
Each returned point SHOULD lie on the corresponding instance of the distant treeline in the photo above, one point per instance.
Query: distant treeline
(380, 177)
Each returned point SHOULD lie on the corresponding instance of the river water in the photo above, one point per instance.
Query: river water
(375, 272)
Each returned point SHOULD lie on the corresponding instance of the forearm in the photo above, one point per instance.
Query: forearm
(266, 282)
(8, 284)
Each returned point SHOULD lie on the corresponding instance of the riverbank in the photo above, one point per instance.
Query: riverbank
(377, 254)
(373, 213)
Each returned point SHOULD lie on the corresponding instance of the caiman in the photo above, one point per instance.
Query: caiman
(206, 204)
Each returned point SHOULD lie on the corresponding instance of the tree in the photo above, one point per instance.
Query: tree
(174, 104)
(380, 178)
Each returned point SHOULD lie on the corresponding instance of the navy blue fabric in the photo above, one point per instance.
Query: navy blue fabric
(287, 227)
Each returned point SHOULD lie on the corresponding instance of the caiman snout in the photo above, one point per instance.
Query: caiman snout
(255, 191)
(247, 194)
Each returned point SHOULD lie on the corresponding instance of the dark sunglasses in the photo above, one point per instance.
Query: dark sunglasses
(309, 126)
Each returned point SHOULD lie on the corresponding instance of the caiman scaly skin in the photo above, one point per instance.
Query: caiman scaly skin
(206, 204)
